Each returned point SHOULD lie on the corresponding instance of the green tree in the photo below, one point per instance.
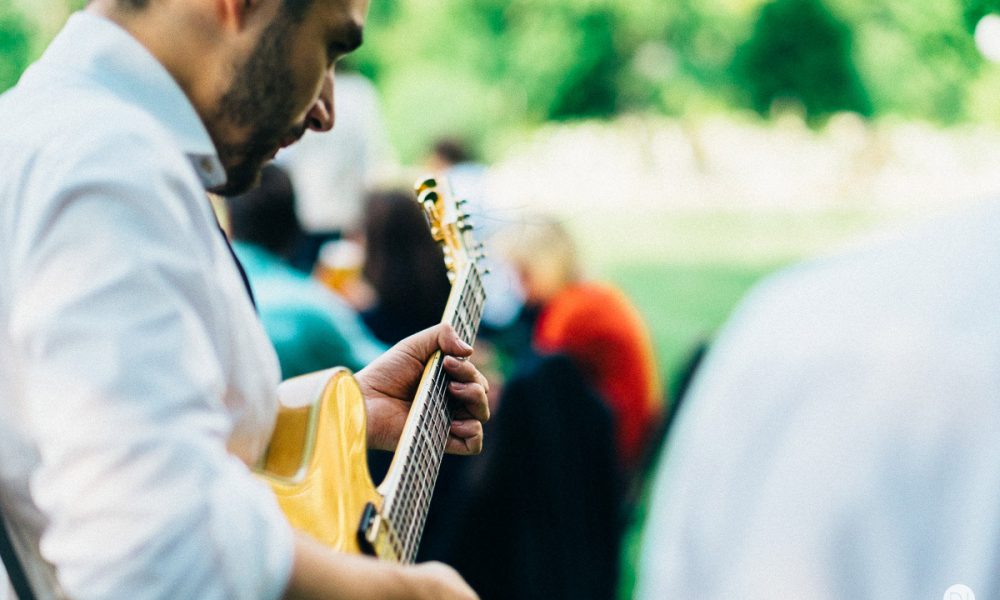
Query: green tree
(974, 10)
(478, 67)
(916, 56)
(15, 45)
(800, 50)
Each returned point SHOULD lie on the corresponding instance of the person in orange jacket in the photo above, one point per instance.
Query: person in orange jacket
(597, 326)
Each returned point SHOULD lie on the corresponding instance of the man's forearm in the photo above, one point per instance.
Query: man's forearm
(322, 574)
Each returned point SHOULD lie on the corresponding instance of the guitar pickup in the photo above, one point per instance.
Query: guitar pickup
(368, 529)
(376, 537)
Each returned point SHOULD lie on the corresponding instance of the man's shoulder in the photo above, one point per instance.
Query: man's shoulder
(77, 118)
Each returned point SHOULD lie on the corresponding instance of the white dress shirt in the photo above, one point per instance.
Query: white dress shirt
(136, 383)
(841, 439)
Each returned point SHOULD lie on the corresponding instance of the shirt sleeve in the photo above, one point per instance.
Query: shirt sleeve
(123, 388)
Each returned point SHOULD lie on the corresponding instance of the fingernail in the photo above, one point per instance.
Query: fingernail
(463, 345)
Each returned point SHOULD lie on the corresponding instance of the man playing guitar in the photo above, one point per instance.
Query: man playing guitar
(136, 385)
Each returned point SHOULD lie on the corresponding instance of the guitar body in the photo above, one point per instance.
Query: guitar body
(317, 465)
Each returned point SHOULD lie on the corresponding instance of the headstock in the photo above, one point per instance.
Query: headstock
(451, 227)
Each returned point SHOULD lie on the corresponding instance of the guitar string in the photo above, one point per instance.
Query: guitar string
(409, 474)
(423, 487)
(406, 520)
(471, 304)
(417, 490)
(435, 407)
(467, 331)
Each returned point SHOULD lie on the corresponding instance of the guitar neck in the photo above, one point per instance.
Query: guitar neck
(409, 484)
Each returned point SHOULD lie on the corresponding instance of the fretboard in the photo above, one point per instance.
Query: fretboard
(409, 485)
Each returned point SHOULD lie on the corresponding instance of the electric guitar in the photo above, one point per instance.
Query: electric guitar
(316, 461)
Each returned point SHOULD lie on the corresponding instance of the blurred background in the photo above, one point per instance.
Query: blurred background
(690, 147)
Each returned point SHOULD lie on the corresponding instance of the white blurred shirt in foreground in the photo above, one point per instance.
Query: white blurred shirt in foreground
(841, 438)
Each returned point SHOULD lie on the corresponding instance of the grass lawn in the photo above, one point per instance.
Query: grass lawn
(684, 304)
(686, 271)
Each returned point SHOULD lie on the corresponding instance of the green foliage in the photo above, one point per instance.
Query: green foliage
(974, 10)
(526, 61)
(917, 58)
(15, 45)
(703, 36)
(486, 69)
(800, 51)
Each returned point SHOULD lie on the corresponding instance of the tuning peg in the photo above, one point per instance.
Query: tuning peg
(428, 196)
(465, 224)
(425, 184)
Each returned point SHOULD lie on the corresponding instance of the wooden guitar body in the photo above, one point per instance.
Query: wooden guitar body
(323, 493)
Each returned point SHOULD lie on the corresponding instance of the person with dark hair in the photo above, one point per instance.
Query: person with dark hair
(311, 327)
(265, 215)
(137, 386)
(452, 160)
(404, 266)
(448, 152)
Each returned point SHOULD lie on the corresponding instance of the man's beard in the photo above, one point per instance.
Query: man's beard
(259, 101)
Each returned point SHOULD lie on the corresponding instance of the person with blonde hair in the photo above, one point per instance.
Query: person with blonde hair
(593, 323)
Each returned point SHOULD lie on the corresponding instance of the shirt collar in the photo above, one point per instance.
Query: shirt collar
(99, 50)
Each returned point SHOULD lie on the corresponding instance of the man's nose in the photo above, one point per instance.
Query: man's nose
(320, 117)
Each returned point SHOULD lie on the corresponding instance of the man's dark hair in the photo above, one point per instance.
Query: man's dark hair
(265, 215)
(404, 265)
(452, 150)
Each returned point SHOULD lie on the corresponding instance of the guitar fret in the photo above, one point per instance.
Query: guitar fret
(414, 522)
(414, 511)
